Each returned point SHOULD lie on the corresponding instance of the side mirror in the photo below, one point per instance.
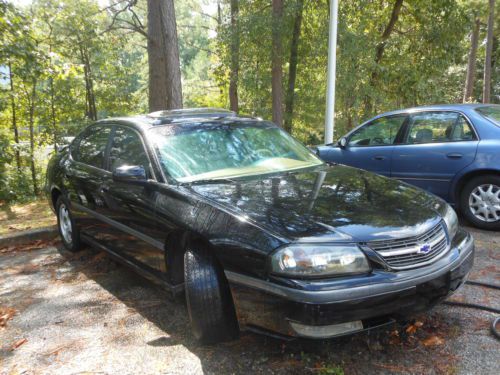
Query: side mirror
(60, 148)
(130, 173)
(342, 142)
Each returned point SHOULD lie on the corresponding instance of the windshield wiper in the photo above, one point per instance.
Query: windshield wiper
(208, 181)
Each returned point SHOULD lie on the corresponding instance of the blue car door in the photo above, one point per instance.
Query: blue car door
(369, 147)
(435, 147)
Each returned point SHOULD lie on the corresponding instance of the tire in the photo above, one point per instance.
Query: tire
(68, 231)
(209, 302)
(481, 211)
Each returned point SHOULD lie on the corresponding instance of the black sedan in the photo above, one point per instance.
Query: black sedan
(259, 233)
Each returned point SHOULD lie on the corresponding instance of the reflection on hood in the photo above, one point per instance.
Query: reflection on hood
(329, 202)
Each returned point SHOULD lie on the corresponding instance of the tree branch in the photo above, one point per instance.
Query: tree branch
(388, 30)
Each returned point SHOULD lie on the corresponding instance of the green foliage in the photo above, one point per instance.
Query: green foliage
(423, 63)
(55, 46)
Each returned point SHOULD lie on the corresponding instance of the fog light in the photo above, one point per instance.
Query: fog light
(326, 331)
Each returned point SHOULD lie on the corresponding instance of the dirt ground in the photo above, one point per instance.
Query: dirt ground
(63, 313)
(24, 216)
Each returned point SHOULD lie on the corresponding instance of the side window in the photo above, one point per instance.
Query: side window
(127, 149)
(379, 132)
(434, 127)
(92, 146)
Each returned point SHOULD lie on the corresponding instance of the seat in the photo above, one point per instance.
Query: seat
(449, 132)
(423, 136)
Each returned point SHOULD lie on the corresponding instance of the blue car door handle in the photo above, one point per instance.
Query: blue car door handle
(379, 157)
(454, 155)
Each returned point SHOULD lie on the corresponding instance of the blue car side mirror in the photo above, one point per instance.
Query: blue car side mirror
(342, 142)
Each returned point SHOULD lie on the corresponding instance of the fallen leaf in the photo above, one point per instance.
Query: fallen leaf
(412, 328)
(6, 313)
(433, 341)
(18, 343)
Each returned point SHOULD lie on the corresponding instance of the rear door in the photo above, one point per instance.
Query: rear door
(84, 175)
(371, 146)
(435, 147)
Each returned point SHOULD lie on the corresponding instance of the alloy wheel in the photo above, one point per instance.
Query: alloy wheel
(65, 224)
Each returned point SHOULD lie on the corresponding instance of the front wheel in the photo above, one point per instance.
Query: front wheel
(480, 202)
(209, 302)
(68, 230)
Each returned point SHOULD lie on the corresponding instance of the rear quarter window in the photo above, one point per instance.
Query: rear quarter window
(492, 113)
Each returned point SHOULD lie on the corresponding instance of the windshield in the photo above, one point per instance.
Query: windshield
(492, 113)
(219, 151)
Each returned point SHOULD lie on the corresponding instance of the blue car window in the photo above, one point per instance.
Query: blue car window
(381, 131)
(438, 127)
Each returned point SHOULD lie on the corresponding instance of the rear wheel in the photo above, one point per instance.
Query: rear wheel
(480, 202)
(68, 231)
(209, 302)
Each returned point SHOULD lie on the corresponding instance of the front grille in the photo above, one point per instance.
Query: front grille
(414, 251)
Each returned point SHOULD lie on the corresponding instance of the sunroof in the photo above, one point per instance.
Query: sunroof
(192, 112)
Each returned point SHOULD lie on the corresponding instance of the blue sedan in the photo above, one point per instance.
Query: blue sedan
(452, 151)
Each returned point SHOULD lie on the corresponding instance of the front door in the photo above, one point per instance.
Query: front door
(371, 146)
(436, 146)
(134, 231)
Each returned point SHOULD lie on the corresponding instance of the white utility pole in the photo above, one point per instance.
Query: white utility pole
(332, 62)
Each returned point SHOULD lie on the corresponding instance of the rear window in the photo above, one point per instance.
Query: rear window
(492, 113)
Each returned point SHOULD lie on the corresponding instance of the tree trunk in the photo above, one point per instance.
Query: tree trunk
(89, 83)
(52, 98)
(292, 69)
(174, 83)
(165, 87)
(471, 64)
(277, 63)
(156, 58)
(92, 104)
(53, 112)
(14, 119)
(235, 57)
(32, 103)
(489, 50)
(379, 52)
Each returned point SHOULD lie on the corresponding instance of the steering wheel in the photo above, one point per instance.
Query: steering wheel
(262, 153)
(380, 141)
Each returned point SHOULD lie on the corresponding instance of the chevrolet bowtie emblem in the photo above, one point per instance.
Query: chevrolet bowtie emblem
(424, 249)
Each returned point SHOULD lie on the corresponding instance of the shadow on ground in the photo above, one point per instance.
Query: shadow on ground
(83, 312)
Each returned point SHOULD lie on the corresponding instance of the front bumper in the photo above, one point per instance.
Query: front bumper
(279, 307)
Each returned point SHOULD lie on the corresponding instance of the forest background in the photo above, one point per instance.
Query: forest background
(67, 63)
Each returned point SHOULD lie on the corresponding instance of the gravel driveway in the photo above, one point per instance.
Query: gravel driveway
(68, 313)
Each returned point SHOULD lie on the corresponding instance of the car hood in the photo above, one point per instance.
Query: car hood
(327, 203)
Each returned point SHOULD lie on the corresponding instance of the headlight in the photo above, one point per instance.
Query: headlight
(451, 220)
(319, 260)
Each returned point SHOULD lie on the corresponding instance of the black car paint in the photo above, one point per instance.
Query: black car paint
(244, 221)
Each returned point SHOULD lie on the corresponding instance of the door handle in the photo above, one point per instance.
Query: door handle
(379, 157)
(454, 155)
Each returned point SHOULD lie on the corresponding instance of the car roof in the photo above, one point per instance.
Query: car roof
(180, 116)
(439, 107)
